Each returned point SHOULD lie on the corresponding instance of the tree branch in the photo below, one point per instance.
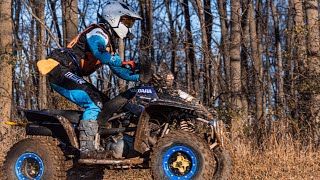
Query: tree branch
(48, 30)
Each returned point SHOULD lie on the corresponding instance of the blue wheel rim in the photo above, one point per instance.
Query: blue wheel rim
(166, 163)
(21, 162)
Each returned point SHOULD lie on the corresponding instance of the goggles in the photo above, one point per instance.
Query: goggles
(127, 21)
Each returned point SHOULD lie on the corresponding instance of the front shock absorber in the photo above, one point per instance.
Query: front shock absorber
(187, 125)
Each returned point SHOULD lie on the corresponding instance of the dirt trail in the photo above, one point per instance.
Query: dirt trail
(101, 173)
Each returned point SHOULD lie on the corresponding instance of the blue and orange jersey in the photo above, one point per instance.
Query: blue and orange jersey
(92, 48)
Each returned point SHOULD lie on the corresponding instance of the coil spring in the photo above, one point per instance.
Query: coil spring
(187, 126)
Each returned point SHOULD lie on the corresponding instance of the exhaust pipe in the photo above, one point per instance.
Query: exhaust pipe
(114, 131)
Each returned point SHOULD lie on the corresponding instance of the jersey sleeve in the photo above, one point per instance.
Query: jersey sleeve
(98, 40)
(125, 73)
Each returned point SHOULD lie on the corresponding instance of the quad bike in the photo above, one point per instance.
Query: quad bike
(146, 126)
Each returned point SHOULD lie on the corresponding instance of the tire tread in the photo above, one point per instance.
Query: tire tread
(187, 137)
(51, 144)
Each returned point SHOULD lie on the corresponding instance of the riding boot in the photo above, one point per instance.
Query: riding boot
(88, 130)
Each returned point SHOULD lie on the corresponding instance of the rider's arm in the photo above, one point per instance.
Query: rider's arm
(125, 73)
(97, 41)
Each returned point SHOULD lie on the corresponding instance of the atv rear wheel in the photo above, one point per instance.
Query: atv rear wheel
(35, 158)
(182, 155)
(223, 164)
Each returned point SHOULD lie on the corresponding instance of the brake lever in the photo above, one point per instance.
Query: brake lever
(134, 68)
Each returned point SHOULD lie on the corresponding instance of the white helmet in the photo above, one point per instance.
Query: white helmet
(120, 16)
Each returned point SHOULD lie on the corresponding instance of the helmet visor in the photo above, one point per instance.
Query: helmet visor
(127, 21)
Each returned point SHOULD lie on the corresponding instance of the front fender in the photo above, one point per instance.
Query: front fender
(141, 143)
(141, 138)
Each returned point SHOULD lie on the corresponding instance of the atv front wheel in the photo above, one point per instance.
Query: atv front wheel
(182, 155)
(35, 158)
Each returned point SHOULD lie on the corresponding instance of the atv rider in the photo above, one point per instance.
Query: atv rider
(88, 51)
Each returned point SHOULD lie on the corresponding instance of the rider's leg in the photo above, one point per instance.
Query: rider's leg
(86, 96)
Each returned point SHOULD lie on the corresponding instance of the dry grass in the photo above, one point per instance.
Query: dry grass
(278, 160)
(130, 174)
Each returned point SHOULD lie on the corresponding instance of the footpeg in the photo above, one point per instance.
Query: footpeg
(95, 154)
(130, 161)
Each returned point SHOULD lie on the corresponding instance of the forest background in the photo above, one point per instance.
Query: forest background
(255, 63)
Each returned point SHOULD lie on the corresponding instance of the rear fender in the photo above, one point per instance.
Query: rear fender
(44, 123)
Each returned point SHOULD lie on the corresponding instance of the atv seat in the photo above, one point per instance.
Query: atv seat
(75, 116)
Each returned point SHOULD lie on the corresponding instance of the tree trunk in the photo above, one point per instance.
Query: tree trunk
(122, 56)
(33, 80)
(19, 95)
(147, 46)
(259, 30)
(38, 8)
(244, 59)
(313, 67)
(301, 109)
(268, 80)
(235, 68)
(235, 55)
(55, 19)
(225, 83)
(193, 81)
(5, 62)
(289, 66)
(279, 59)
(70, 31)
(208, 17)
(70, 20)
(300, 35)
(257, 72)
(213, 65)
(173, 39)
(197, 5)
(149, 20)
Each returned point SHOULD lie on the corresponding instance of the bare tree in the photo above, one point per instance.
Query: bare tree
(245, 59)
(122, 56)
(173, 38)
(279, 58)
(147, 44)
(208, 17)
(198, 6)
(38, 8)
(301, 110)
(53, 7)
(192, 68)
(225, 64)
(70, 20)
(235, 65)
(235, 54)
(313, 46)
(257, 64)
(5, 62)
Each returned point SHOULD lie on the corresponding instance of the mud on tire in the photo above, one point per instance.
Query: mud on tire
(223, 164)
(35, 158)
(182, 154)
